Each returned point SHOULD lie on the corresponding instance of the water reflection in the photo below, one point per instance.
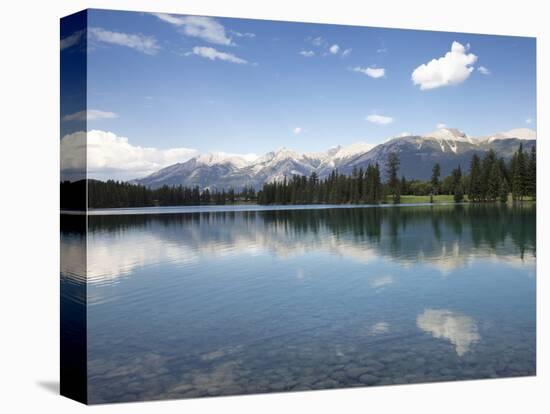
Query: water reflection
(379, 328)
(381, 281)
(460, 330)
(73, 298)
(445, 237)
(186, 305)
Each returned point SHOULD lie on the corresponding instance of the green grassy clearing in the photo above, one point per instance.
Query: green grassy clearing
(411, 199)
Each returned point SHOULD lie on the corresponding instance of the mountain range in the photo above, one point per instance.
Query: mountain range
(449, 147)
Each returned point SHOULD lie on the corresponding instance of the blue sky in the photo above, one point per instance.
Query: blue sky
(251, 86)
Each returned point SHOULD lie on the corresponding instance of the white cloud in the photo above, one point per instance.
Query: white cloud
(71, 40)
(382, 50)
(441, 125)
(307, 53)
(73, 162)
(529, 121)
(139, 42)
(246, 34)
(90, 115)
(405, 134)
(452, 69)
(297, 130)
(328, 48)
(483, 70)
(112, 156)
(380, 119)
(371, 72)
(317, 41)
(213, 54)
(205, 28)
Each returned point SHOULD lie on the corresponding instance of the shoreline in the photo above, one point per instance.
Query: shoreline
(253, 207)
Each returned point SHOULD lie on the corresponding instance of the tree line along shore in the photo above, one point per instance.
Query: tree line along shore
(488, 179)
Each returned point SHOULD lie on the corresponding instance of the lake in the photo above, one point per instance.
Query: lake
(197, 302)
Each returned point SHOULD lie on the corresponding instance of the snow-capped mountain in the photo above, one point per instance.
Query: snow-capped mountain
(449, 147)
(275, 166)
(518, 133)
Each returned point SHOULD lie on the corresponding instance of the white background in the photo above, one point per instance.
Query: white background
(29, 252)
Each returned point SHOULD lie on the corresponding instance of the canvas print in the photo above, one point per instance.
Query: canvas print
(253, 206)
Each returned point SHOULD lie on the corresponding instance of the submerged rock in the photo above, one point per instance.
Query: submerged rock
(368, 379)
(355, 372)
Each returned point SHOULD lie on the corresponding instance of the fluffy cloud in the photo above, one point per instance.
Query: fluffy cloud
(441, 125)
(139, 42)
(452, 69)
(334, 49)
(307, 53)
(380, 119)
(213, 54)
(71, 40)
(372, 72)
(346, 52)
(205, 28)
(483, 70)
(297, 130)
(73, 161)
(90, 115)
(112, 156)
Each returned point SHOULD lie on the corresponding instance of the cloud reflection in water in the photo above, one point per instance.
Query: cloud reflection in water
(460, 330)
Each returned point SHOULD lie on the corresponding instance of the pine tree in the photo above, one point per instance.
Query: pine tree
(392, 168)
(458, 193)
(494, 182)
(489, 160)
(377, 183)
(360, 186)
(313, 184)
(519, 174)
(475, 179)
(456, 175)
(436, 173)
(531, 179)
(354, 186)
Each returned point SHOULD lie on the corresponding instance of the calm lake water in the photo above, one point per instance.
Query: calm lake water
(210, 303)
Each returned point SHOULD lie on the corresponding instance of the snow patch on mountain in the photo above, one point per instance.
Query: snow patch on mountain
(214, 158)
(351, 150)
(449, 137)
(449, 134)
